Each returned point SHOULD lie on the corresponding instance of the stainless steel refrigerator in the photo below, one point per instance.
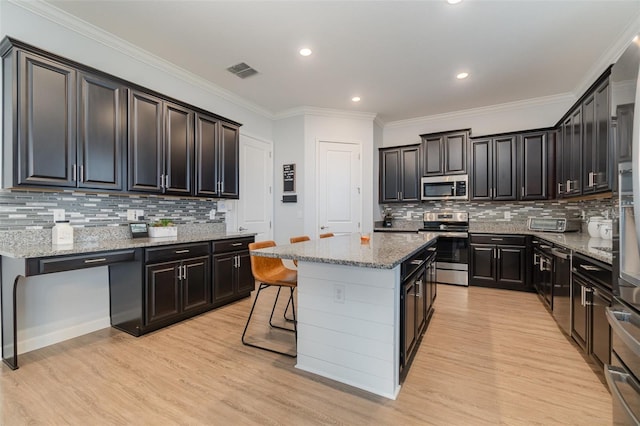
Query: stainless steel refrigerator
(623, 374)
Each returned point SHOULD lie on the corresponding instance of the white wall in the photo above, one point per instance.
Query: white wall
(60, 306)
(515, 116)
(289, 148)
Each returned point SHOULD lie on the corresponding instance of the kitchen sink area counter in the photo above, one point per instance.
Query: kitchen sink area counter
(580, 242)
(353, 316)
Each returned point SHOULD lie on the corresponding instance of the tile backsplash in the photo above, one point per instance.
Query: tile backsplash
(33, 209)
(513, 213)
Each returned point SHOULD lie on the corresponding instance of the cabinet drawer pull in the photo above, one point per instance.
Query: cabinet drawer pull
(236, 244)
(102, 259)
(182, 251)
(497, 239)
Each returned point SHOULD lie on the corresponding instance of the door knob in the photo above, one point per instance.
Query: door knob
(242, 229)
(323, 227)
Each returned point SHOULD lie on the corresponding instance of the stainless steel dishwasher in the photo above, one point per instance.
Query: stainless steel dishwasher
(561, 292)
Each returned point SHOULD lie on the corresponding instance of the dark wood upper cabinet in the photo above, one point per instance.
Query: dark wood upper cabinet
(533, 171)
(390, 175)
(206, 131)
(588, 143)
(101, 132)
(45, 140)
(444, 153)
(493, 168)
(572, 154)
(229, 150)
(624, 131)
(217, 158)
(433, 155)
(602, 144)
(69, 125)
(504, 168)
(455, 159)
(482, 169)
(178, 149)
(400, 174)
(145, 143)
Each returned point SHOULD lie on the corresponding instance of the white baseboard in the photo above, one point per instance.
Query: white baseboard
(44, 338)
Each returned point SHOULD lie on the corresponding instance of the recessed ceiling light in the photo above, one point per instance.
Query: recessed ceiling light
(453, 1)
(462, 75)
(356, 99)
(635, 39)
(305, 51)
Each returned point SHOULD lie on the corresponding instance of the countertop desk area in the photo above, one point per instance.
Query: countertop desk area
(349, 306)
(124, 257)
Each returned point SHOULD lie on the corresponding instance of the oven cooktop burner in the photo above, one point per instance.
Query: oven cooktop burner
(446, 222)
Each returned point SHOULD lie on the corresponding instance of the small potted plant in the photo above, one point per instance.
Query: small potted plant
(163, 228)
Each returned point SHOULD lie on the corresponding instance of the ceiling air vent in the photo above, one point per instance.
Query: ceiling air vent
(242, 70)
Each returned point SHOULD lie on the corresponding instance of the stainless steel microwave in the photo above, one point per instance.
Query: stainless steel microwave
(444, 187)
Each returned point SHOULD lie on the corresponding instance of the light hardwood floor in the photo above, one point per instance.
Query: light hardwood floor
(489, 357)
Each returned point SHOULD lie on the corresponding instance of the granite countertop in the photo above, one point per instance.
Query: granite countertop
(19, 250)
(384, 250)
(576, 241)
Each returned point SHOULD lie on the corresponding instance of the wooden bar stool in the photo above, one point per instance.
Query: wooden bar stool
(327, 235)
(272, 272)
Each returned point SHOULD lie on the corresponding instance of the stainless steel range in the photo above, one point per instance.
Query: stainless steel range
(452, 258)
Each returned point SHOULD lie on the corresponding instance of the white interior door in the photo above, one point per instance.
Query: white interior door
(339, 187)
(255, 207)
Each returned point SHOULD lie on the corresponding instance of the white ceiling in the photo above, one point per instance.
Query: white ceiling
(400, 57)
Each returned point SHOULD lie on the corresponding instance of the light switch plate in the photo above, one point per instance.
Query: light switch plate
(212, 214)
(131, 215)
(139, 214)
(222, 206)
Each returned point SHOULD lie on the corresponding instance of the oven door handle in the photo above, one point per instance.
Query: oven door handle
(616, 318)
(615, 375)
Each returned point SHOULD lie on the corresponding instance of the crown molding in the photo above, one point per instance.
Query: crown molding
(564, 98)
(77, 25)
(610, 56)
(325, 112)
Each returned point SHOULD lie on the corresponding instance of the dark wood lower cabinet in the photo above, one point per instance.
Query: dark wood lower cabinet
(418, 293)
(167, 284)
(163, 292)
(174, 288)
(498, 261)
(591, 296)
(231, 266)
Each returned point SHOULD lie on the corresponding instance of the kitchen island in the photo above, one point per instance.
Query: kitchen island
(349, 306)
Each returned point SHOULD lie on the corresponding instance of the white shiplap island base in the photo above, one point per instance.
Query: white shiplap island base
(349, 306)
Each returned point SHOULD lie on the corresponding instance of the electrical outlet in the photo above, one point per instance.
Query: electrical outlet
(338, 293)
(507, 215)
(212, 214)
(131, 215)
(58, 215)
